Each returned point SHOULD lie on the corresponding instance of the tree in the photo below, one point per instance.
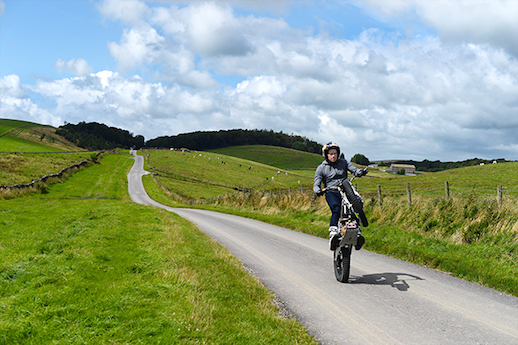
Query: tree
(298, 145)
(360, 159)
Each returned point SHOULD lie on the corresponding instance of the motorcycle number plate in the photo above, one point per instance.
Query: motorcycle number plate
(350, 236)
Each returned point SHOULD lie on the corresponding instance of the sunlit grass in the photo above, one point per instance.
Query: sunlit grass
(83, 264)
(462, 181)
(204, 175)
(24, 168)
(7, 124)
(279, 157)
(23, 136)
(15, 144)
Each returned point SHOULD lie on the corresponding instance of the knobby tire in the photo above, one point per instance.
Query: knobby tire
(342, 263)
(357, 203)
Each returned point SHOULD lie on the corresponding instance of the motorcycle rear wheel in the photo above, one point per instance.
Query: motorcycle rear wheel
(342, 263)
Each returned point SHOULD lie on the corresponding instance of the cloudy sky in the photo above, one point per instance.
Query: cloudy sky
(405, 79)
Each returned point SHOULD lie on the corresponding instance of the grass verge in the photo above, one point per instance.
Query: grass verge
(83, 264)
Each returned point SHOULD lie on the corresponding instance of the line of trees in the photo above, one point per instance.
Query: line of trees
(209, 140)
(433, 166)
(97, 136)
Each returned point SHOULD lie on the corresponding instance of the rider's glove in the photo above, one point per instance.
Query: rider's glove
(320, 193)
(362, 172)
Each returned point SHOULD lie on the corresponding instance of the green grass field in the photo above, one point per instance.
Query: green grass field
(477, 179)
(202, 175)
(275, 156)
(83, 264)
(24, 168)
(23, 136)
(7, 125)
(14, 144)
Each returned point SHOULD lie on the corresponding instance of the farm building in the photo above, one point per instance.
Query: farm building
(409, 169)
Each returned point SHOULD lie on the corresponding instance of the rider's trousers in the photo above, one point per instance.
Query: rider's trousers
(333, 199)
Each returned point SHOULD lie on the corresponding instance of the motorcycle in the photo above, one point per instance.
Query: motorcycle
(351, 216)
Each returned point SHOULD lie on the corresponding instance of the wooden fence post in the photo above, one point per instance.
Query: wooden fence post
(499, 193)
(380, 196)
(447, 186)
(409, 193)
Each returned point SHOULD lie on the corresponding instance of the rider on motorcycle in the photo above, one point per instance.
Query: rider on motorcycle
(331, 172)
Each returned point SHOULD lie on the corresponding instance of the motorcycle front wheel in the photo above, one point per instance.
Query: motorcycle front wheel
(342, 263)
(357, 203)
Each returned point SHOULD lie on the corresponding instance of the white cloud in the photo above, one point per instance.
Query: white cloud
(77, 67)
(138, 45)
(16, 104)
(213, 30)
(490, 22)
(130, 12)
(2, 8)
(11, 87)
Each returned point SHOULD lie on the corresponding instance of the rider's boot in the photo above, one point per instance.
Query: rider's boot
(360, 241)
(334, 237)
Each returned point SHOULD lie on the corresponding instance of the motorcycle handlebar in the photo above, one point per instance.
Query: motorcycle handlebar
(361, 173)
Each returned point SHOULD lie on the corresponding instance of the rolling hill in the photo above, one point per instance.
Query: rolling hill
(23, 136)
(276, 156)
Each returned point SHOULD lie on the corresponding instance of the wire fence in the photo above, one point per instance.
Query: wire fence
(446, 191)
(379, 194)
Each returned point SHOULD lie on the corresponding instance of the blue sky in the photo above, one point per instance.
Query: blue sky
(35, 33)
(405, 79)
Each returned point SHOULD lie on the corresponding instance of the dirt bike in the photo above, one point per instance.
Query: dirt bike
(351, 215)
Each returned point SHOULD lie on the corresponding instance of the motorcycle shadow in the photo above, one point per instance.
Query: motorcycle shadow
(392, 279)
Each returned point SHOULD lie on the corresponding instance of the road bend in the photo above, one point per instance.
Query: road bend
(387, 301)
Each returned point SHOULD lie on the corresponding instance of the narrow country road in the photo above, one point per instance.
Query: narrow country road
(388, 301)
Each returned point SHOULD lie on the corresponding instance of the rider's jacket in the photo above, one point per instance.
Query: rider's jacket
(331, 174)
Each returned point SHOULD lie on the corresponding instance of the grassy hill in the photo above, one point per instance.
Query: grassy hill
(7, 125)
(202, 175)
(23, 136)
(279, 157)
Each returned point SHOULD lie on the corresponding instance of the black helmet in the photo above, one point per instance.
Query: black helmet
(328, 146)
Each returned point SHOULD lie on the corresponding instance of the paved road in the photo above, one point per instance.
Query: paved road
(388, 301)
